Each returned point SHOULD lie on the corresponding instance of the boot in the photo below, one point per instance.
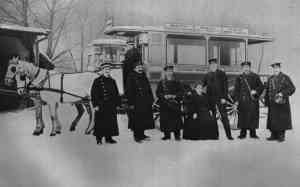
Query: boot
(167, 136)
(253, 134)
(146, 138)
(137, 138)
(110, 140)
(177, 135)
(273, 136)
(99, 140)
(243, 134)
(281, 137)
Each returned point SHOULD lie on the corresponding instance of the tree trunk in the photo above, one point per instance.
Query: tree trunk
(25, 7)
(81, 48)
(51, 25)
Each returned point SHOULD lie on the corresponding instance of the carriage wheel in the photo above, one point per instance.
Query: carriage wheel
(232, 113)
(156, 115)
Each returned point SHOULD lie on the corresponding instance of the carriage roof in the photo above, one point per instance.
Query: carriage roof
(227, 33)
(108, 41)
(18, 28)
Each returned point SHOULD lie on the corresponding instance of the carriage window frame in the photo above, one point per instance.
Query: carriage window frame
(174, 59)
(215, 50)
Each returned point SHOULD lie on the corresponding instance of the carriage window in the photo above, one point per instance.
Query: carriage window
(89, 59)
(186, 51)
(111, 54)
(156, 54)
(156, 48)
(227, 52)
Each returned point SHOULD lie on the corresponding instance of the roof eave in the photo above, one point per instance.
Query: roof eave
(18, 28)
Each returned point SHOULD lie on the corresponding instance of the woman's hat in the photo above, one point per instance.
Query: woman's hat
(246, 63)
(213, 60)
(169, 67)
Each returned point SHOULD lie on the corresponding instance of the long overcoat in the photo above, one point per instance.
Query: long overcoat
(105, 96)
(279, 115)
(217, 87)
(140, 99)
(248, 108)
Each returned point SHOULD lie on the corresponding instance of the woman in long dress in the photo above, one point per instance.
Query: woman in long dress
(199, 122)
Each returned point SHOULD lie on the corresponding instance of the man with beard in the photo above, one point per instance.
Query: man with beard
(140, 99)
(279, 89)
(217, 90)
(169, 92)
(248, 88)
(105, 99)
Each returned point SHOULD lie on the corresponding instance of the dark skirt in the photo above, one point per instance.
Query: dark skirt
(202, 128)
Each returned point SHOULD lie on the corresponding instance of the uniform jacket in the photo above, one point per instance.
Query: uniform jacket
(139, 94)
(105, 95)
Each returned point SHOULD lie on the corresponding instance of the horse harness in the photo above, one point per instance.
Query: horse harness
(47, 78)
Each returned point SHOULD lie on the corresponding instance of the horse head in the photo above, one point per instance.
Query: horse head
(12, 70)
(18, 71)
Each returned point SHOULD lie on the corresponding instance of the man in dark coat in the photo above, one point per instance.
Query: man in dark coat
(169, 92)
(248, 88)
(278, 89)
(105, 99)
(217, 90)
(140, 99)
(131, 57)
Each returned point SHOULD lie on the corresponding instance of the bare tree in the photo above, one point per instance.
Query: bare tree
(48, 14)
(55, 19)
(16, 11)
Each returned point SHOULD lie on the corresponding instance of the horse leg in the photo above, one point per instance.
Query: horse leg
(88, 107)
(80, 111)
(39, 129)
(58, 123)
(51, 107)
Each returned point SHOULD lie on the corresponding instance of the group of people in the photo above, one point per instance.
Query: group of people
(189, 112)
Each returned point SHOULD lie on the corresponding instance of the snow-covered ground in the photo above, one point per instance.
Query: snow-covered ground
(74, 159)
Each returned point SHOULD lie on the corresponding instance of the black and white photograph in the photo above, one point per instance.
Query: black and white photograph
(149, 93)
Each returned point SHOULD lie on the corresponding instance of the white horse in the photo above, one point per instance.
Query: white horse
(54, 88)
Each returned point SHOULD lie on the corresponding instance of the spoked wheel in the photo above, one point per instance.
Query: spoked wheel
(156, 115)
(232, 112)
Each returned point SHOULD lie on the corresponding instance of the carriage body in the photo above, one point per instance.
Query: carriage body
(189, 47)
(15, 39)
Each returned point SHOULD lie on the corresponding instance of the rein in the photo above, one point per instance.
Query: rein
(56, 91)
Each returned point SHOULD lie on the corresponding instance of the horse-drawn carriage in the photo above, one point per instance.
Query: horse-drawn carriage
(15, 39)
(189, 47)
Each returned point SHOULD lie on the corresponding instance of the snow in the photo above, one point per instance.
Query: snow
(74, 159)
